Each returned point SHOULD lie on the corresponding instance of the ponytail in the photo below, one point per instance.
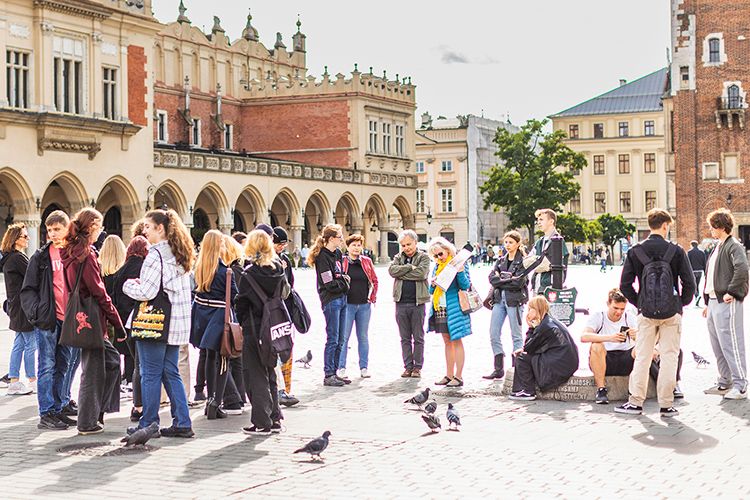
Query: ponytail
(328, 232)
(178, 237)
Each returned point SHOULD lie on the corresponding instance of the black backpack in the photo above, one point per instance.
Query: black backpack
(657, 297)
(275, 335)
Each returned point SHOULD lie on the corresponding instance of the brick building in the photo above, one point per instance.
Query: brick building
(708, 141)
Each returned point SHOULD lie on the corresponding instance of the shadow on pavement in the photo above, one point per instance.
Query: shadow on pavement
(223, 460)
(675, 435)
(736, 409)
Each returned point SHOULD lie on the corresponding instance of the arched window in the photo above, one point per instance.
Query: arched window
(113, 221)
(734, 100)
(714, 50)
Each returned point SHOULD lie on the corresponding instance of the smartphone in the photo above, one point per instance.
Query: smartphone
(624, 329)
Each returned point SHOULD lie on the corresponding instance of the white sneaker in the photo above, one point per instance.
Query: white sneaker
(735, 393)
(341, 373)
(32, 386)
(363, 373)
(18, 389)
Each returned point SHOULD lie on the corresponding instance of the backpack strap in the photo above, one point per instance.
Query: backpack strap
(256, 287)
(670, 253)
(641, 255)
(601, 327)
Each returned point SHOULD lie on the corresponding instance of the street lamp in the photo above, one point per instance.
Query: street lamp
(429, 216)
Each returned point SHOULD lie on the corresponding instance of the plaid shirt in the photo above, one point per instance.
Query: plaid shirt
(176, 284)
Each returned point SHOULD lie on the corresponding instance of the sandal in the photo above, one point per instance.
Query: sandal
(456, 382)
(444, 381)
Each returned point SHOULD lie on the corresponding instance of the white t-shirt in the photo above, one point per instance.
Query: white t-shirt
(601, 324)
(708, 283)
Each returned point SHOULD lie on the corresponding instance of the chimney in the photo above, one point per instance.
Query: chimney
(623, 82)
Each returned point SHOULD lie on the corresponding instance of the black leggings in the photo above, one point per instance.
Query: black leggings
(217, 371)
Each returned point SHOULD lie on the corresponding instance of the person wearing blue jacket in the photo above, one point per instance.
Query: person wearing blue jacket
(445, 316)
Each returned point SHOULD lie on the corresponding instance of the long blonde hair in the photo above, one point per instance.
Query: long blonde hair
(258, 248)
(232, 250)
(208, 259)
(328, 232)
(112, 255)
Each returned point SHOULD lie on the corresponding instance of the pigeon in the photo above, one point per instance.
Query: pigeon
(702, 362)
(141, 436)
(419, 398)
(316, 446)
(430, 407)
(305, 360)
(432, 421)
(453, 417)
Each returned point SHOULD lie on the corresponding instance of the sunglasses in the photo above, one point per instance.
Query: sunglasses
(440, 255)
(23, 237)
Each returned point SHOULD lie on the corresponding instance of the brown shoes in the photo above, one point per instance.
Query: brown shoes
(416, 373)
(406, 374)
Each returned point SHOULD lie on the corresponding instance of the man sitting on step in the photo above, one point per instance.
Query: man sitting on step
(612, 336)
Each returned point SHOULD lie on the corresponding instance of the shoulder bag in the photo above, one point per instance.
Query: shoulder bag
(231, 338)
(151, 319)
(82, 326)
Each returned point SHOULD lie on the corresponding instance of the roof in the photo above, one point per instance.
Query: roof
(638, 96)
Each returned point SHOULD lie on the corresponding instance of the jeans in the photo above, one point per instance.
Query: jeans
(410, 321)
(159, 365)
(335, 315)
(24, 345)
(75, 362)
(53, 365)
(500, 311)
(359, 313)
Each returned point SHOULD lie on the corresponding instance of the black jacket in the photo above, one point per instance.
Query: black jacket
(516, 288)
(14, 264)
(38, 293)
(655, 246)
(697, 258)
(331, 281)
(554, 355)
(131, 269)
(287, 263)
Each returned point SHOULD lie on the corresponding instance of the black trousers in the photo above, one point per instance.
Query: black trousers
(237, 380)
(200, 374)
(523, 376)
(137, 399)
(100, 385)
(217, 372)
(261, 387)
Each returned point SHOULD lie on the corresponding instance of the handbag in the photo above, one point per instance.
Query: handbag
(82, 326)
(231, 337)
(469, 300)
(489, 301)
(151, 319)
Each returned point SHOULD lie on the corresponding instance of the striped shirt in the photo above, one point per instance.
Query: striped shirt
(176, 284)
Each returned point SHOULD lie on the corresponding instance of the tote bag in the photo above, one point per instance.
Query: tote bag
(151, 319)
(82, 326)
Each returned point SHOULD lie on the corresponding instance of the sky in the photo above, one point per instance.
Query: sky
(523, 59)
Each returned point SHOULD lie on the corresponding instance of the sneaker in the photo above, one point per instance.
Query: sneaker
(51, 422)
(735, 394)
(416, 373)
(629, 409)
(406, 374)
(333, 381)
(601, 396)
(346, 381)
(341, 373)
(69, 411)
(177, 432)
(32, 386)
(257, 431)
(287, 399)
(97, 429)
(200, 396)
(4, 381)
(135, 415)
(717, 389)
(364, 373)
(233, 408)
(73, 405)
(18, 389)
(677, 392)
(276, 428)
(65, 419)
(522, 396)
(669, 412)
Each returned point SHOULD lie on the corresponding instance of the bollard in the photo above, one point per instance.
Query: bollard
(556, 261)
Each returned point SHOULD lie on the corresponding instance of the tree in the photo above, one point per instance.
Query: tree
(614, 227)
(535, 170)
(593, 232)
(572, 227)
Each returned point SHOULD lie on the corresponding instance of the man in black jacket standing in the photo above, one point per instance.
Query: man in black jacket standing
(660, 310)
(697, 258)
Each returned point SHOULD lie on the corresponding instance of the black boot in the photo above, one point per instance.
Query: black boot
(498, 372)
(213, 411)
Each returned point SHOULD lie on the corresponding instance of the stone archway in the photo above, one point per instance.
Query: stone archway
(248, 210)
(65, 192)
(402, 211)
(375, 227)
(119, 203)
(169, 195)
(17, 204)
(285, 212)
(212, 202)
(347, 214)
(318, 213)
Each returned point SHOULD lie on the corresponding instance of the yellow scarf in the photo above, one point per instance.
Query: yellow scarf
(439, 291)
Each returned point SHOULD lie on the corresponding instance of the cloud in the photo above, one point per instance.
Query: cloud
(450, 56)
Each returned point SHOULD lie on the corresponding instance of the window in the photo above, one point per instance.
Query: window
(600, 202)
(196, 132)
(68, 75)
(650, 200)
(446, 199)
(399, 140)
(573, 131)
(734, 100)
(575, 204)
(622, 128)
(648, 127)
(373, 136)
(624, 201)
(649, 163)
(710, 171)
(17, 78)
(598, 130)
(420, 201)
(684, 77)
(731, 170)
(161, 127)
(420, 167)
(386, 138)
(446, 166)
(623, 164)
(228, 136)
(109, 81)
(714, 50)
(598, 164)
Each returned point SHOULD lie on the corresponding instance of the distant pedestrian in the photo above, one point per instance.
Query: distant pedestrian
(603, 254)
(697, 258)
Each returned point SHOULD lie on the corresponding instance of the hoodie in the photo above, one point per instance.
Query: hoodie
(331, 281)
(14, 265)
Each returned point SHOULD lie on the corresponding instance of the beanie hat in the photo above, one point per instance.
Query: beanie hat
(280, 235)
(265, 228)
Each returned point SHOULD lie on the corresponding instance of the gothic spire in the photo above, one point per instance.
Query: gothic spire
(250, 33)
(182, 18)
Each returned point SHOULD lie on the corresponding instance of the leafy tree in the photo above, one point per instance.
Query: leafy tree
(572, 227)
(614, 227)
(535, 170)
(593, 232)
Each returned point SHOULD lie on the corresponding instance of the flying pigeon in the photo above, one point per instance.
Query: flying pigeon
(453, 417)
(316, 446)
(305, 360)
(430, 407)
(141, 436)
(419, 398)
(702, 362)
(432, 421)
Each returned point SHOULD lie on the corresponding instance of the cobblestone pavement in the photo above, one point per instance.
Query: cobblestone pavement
(380, 447)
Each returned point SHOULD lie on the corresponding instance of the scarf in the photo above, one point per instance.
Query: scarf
(438, 293)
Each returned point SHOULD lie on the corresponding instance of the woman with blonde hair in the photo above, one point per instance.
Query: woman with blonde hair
(111, 259)
(333, 285)
(445, 316)
(549, 356)
(264, 272)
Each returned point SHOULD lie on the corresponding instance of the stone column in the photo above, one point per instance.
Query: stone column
(383, 248)
(296, 237)
(226, 228)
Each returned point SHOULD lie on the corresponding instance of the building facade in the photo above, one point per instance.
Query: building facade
(707, 103)
(622, 135)
(453, 157)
